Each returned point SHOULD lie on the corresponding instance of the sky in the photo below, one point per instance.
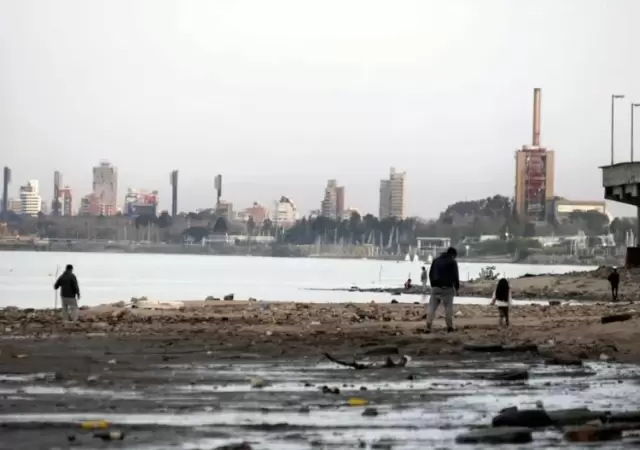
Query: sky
(278, 96)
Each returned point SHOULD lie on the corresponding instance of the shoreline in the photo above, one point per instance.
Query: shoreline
(303, 330)
(583, 286)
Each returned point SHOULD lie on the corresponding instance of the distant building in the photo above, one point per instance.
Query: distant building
(225, 209)
(255, 212)
(560, 208)
(535, 168)
(105, 187)
(56, 204)
(332, 205)
(140, 203)
(285, 214)
(30, 200)
(65, 197)
(393, 195)
(14, 205)
(347, 213)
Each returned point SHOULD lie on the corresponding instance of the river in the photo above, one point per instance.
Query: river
(26, 278)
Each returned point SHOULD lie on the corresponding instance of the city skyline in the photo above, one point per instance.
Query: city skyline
(435, 88)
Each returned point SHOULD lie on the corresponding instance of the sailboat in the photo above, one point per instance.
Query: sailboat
(416, 258)
(429, 258)
(407, 257)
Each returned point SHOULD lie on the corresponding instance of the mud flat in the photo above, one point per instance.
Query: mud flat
(222, 373)
(579, 286)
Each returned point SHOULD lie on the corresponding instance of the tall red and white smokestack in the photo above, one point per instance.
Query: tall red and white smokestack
(537, 100)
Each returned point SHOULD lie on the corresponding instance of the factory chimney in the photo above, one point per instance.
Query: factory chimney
(537, 99)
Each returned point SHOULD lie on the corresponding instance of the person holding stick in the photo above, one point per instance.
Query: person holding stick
(69, 293)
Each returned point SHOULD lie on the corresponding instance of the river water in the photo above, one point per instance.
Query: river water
(26, 278)
(203, 406)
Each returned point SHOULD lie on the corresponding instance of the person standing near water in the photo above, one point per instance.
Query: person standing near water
(502, 298)
(445, 283)
(423, 279)
(614, 281)
(69, 293)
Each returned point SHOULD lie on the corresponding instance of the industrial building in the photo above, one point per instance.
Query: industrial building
(535, 169)
(393, 195)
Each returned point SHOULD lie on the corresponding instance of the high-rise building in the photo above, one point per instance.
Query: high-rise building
(105, 187)
(535, 167)
(56, 205)
(6, 179)
(30, 200)
(65, 200)
(174, 193)
(392, 195)
(332, 205)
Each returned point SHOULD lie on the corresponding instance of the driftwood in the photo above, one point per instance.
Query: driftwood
(388, 363)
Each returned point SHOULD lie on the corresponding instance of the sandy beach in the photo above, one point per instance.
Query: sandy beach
(296, 330)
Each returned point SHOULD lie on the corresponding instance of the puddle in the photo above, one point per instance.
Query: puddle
(206, 406)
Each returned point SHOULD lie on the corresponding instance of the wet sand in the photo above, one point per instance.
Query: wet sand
(119, 363)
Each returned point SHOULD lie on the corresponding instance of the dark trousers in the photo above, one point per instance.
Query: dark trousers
(614, 292)
(504, 314)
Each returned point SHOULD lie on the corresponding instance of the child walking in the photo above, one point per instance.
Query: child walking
(502, 298)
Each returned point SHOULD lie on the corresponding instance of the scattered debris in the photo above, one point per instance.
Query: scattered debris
(504, 435)
(387, 364)
(616, 318)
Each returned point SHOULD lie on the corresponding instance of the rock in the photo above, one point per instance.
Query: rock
(211, 298)
(92, 379)
(370, 412)
(120, 304)
(459, 314)
(504, 435)
(604, 357)
(554, 302)
(530, 418)
(228, 297)
(559, 360)
(394, 301)
(616, 318)
(591, 433)
(509, 409)
(251, 299)
(575, 416)
(258, 382)
(328, 390)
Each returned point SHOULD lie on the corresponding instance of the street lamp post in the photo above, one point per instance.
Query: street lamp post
(614, 97)
(633, 106)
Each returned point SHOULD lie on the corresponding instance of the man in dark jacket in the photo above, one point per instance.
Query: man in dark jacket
(445, 282)
(69, 293)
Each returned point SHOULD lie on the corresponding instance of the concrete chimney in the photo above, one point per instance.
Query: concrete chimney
(537, 100)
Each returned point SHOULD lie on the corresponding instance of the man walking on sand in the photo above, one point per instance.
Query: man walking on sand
(445, 283)
(69, 293)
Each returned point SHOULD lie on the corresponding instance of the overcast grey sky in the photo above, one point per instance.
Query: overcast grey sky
(280, 95)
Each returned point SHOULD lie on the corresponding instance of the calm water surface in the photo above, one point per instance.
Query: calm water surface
(26, 278)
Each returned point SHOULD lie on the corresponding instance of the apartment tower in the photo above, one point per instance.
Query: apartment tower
(105, 187)
(393, 195)
(332, 205)
(535, 167)
(6, 179)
